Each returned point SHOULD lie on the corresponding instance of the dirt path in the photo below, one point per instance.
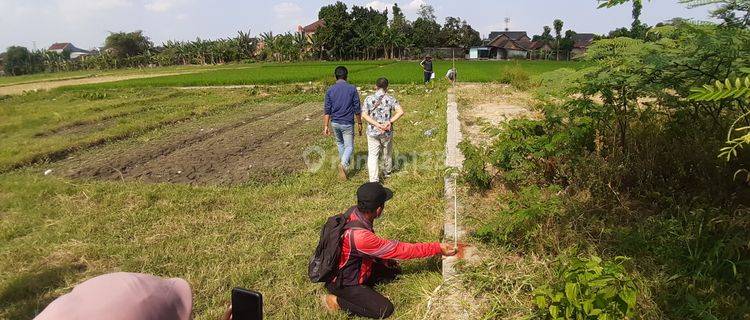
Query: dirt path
(46, 85)
(490, 105)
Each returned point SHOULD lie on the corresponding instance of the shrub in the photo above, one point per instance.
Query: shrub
(557, 83)
(589, 288)
(474, 172)
(518, 225)
(515, 76)
(529, 150)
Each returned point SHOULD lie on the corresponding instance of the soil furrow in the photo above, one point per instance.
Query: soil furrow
(112, 166)
(58, 155)
(228, 155)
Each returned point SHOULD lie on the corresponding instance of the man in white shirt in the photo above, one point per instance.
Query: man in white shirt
(380, 110)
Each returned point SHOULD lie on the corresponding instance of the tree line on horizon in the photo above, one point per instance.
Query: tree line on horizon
(356, 33)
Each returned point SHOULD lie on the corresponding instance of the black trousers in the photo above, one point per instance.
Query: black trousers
(363, 300)
(427, 76)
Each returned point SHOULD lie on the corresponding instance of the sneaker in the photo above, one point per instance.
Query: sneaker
(342, 173)
(330, 302)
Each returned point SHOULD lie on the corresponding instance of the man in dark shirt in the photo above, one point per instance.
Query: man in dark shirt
(342, 107)
(427, 67)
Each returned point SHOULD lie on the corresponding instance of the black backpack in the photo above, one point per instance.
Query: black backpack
(324, 263)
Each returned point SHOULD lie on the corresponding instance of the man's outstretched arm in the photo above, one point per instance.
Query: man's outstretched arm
(377, 247)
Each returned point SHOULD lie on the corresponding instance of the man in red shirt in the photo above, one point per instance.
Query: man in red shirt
(367, 259)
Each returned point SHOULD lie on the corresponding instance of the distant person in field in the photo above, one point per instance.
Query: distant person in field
(342, 108)
(451, 75)
(124, 296)
(381, 111)
(427, 68)
(367, 259)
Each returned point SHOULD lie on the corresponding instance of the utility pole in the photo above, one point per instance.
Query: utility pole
(507, 23)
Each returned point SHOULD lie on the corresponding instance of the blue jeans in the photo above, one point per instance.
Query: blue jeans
(344, 134)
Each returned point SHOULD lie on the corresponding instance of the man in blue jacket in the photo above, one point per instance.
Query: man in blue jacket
(342, 108)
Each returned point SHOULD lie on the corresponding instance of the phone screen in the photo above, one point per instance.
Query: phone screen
(246, 305)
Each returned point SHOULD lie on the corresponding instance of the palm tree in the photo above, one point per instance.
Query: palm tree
(558, 24)
(269, 44)
(246, 45)
(302, 44)
(389, 40)
(317, 45)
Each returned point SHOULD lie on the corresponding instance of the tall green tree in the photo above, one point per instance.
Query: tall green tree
(127, 44)
(18, 61)
(426, 29)
(425, 33)
(336, 33)
(458, 33)
(427, 12)
(734, 13)
(271, 48)
(545, 37)
(368, 31)
(469, 36)
(401, 29)
(568, 42)
(638, 29)
(246, 44)
(450, 34)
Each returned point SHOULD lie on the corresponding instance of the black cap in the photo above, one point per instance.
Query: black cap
(371, 195)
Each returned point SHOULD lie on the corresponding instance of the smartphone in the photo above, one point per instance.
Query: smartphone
(246, 305)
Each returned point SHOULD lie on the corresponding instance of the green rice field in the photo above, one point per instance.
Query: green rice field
(361, 73)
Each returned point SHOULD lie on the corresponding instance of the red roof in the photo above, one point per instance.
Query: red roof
(59, 46)
(311, 28)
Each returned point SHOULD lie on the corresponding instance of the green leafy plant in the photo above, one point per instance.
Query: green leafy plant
(529, 149)
(515, 76)
(728, 89)
(734, 144)
(524, 219)
(739, 89)
(589, 288)
(474, 172)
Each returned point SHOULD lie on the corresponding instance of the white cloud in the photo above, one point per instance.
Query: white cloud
(414, 6)
(289, 15)
(162, 5)
(379, 5)
(287, 10)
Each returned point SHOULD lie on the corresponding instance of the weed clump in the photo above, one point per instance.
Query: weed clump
(588, 288)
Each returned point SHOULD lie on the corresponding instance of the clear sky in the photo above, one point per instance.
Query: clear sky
(86, 23)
